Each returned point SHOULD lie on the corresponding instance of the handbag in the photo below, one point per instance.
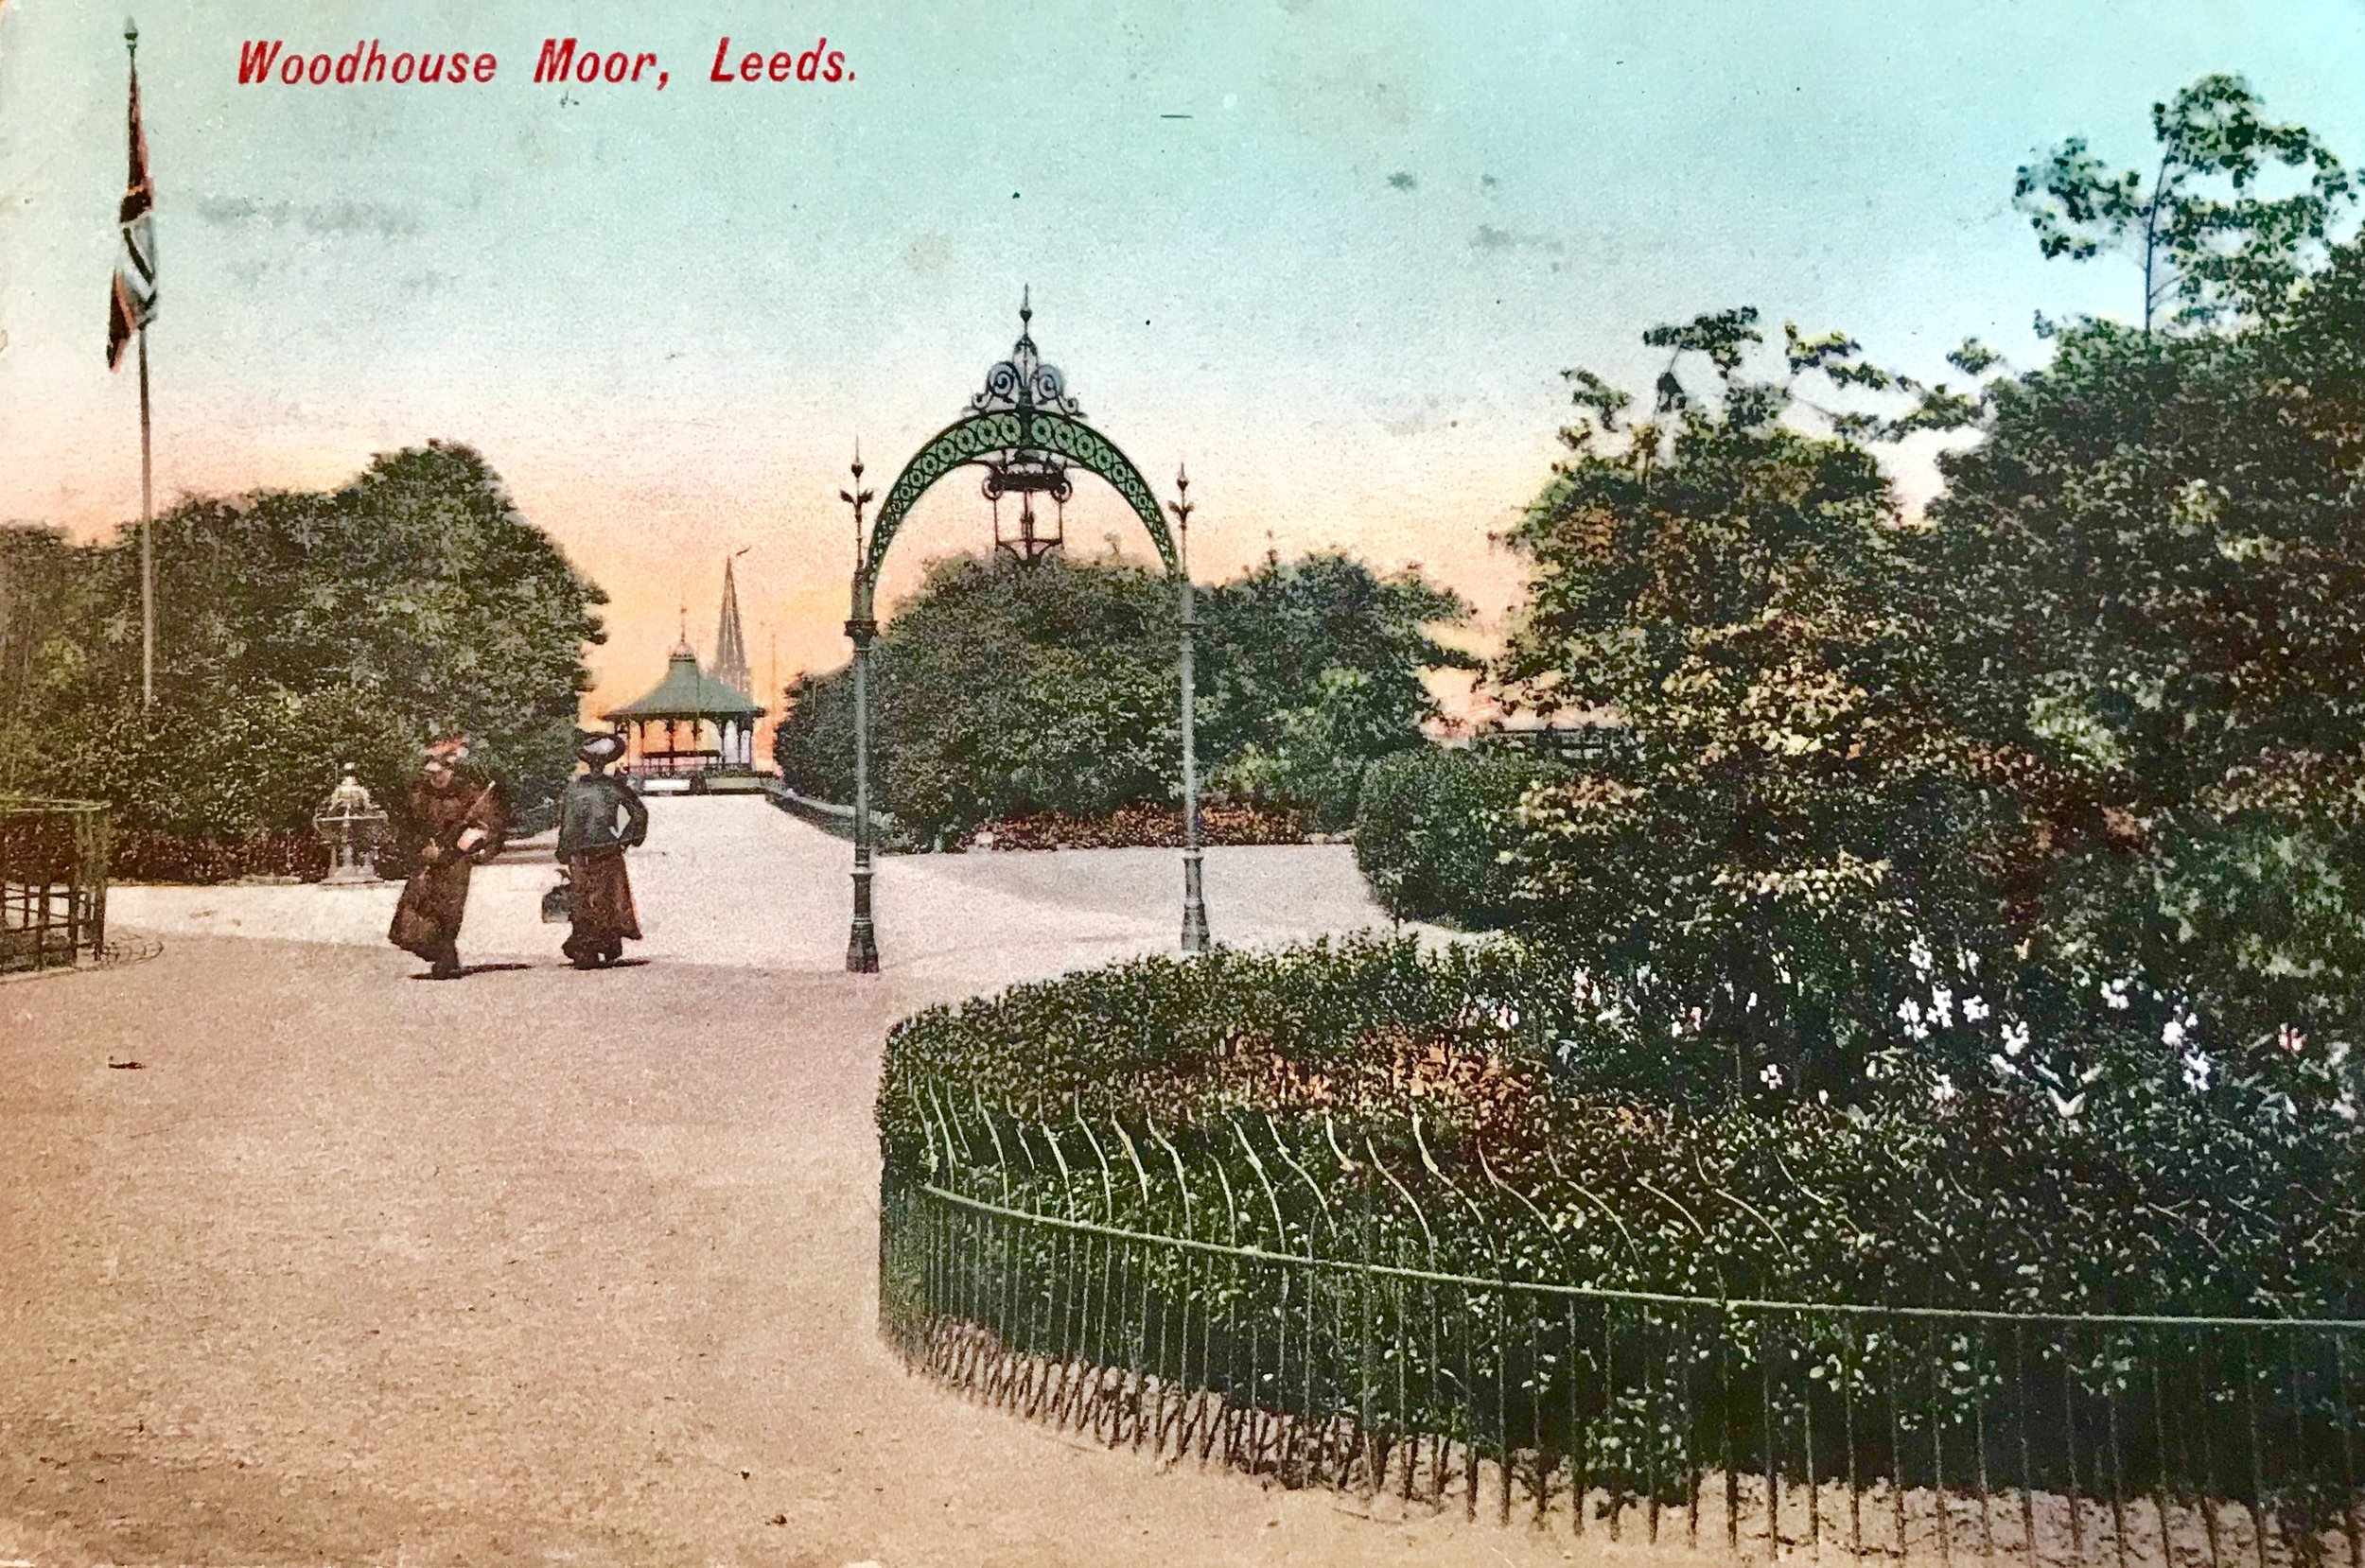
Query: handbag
(558, 904)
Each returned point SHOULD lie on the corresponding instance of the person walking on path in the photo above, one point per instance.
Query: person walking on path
(450, 822)
(591, 847)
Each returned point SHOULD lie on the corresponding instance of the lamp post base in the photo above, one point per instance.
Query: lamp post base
(862, 943)
(1193, 904)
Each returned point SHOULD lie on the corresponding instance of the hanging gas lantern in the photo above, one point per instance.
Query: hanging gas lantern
(1026, 475)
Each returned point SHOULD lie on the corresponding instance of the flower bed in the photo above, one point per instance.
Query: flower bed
(2033, 1142)
(2028, 1246)
(1137, 827)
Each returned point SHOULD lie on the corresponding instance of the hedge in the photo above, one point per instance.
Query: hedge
(145, 855)
(2041, 1143)
(1431, 831)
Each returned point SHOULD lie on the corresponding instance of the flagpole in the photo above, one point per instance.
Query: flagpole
(148, 545)
(148, 491)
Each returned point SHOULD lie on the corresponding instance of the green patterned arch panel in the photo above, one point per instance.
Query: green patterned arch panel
(972, 439)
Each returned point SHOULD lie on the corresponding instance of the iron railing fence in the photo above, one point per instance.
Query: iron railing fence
(1768, 1426)
(53, 883)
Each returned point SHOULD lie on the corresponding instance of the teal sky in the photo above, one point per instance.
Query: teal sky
(1343, 288)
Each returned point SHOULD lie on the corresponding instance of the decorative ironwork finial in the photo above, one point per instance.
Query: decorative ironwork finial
(1183, 506)
(857, 498)
(131, 35)
(1024, 381)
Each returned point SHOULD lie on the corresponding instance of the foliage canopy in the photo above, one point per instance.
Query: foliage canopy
(298, 630)
(1003, 688)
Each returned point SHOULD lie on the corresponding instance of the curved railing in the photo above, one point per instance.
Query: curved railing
(1309, 1340)
(53, 883)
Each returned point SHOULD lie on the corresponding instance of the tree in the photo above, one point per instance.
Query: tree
(2209, 243)
(1004, 689)
(44, 597)
(1314, 670)
(1730, 580)
(2154, 568)
(475, 621)
(298, 630)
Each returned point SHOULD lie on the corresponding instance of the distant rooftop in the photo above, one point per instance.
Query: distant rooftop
(688, 692)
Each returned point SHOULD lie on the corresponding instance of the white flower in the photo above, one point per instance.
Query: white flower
(2004, 1064)
(1974, 1010)
(1918, 952)
(1909, 1011)
(1772, 1076)
(2115, 992)
(2015, 1038)
(1942, 1007)
(2346, 1106)
(2197, 1067)
(2172, 1033)
(1822, 1096)
(1971, 961)
(1942, 1092)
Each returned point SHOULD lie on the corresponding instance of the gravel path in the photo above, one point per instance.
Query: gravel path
(545, 1266)
(731, 880)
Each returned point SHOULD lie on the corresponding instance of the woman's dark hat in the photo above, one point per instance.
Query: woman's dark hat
(600, 748)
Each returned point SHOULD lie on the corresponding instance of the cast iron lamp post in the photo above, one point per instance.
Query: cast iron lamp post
(1194, 895)
(862, 943)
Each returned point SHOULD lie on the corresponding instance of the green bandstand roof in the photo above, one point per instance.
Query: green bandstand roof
(687, 692)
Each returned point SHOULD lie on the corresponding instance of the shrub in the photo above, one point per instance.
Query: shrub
(1432, 831)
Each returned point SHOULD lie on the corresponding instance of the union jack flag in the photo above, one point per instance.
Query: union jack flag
(132, 301)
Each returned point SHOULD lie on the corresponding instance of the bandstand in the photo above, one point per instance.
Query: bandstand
(690, 724)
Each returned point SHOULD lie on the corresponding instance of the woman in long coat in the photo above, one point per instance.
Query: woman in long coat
(450, 822)
(591, 845)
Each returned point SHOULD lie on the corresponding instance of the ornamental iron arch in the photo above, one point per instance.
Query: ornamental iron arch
(1027, 431)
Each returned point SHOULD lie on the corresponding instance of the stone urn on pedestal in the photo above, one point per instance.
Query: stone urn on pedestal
(353, 827)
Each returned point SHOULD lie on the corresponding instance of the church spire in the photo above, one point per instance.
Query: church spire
(730, 643)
